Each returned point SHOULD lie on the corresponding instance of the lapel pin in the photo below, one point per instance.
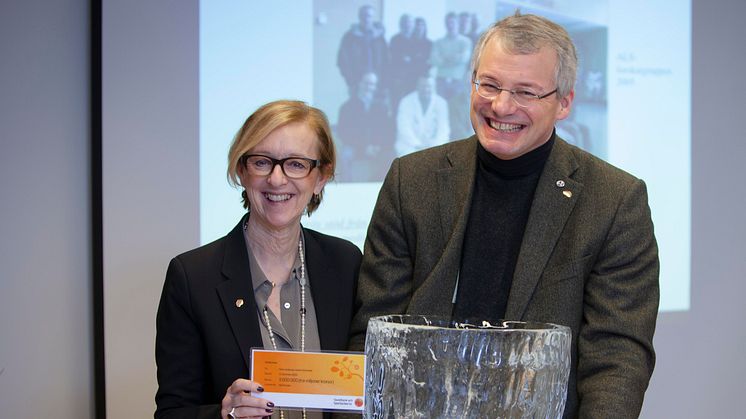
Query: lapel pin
(567, 193)
(239, 302)
(560, 183)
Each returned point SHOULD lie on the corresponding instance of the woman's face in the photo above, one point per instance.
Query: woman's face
(277, 202)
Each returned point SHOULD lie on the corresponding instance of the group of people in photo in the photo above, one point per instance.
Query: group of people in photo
(406, 94)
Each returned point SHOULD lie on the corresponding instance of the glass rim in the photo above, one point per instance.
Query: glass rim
(443, 322)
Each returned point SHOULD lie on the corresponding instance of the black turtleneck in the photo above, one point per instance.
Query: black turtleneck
(503, 193)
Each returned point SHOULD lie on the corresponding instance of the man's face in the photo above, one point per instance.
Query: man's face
(367, 87)
(406, 25)
(451, 24)
(425, 88)
(366, 16)
(505, 129)
(420, 28)
(464, 22)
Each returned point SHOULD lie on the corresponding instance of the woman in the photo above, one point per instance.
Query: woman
(269, 283)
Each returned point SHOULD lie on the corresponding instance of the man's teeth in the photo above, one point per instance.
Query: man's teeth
(276, 197)
(501, 126)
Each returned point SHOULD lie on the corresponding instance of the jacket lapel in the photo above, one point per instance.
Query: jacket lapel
(323, 291)
(555, 196)
(237, 286)
(455, 187)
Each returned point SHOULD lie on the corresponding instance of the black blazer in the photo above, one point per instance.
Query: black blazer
(203, 340)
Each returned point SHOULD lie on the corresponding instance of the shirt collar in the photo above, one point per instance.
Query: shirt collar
(259, 282)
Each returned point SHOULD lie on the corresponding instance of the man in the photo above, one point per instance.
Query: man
(450, 57)
(365, 129)
(363, 49)
(515, 223)
(422, 119)
(404, 68)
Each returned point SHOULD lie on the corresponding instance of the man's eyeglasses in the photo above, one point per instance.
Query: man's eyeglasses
(522, 97)
(292, 167)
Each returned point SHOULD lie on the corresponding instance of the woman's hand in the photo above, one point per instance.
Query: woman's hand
(239, 403)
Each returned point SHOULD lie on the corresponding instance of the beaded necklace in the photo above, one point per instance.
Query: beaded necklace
(302, 312)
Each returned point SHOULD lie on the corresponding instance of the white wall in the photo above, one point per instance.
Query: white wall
(701, 367)
(45, 247)
(150, 176)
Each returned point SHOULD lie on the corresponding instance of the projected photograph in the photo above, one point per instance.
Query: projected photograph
(394, 77)
(373, 66)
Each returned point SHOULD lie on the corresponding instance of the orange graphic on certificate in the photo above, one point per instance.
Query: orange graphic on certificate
(347, 368)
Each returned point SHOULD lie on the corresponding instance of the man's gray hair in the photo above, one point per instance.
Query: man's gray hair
(526, 34)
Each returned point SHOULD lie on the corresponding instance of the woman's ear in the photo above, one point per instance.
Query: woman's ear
(321, 182)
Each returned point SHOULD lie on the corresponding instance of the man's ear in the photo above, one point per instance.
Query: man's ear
(565, 105)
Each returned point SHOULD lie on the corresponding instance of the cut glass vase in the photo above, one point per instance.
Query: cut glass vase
(431, 367)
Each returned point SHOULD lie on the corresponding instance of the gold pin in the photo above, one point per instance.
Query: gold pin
(567, 193)
(239, 302)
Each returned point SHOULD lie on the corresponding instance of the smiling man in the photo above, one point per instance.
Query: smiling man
(514, 223)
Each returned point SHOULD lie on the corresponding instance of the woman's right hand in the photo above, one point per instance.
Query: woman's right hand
(239, 403)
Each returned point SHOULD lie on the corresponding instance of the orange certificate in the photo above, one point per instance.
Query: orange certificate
(313, 380)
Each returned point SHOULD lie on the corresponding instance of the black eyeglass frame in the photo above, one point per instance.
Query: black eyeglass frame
(313, 162)
(513, 93)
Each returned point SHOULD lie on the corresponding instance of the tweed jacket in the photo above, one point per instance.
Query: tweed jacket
(588, 260)
(204, 339)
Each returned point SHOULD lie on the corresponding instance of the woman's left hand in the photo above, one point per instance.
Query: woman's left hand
(239, 403)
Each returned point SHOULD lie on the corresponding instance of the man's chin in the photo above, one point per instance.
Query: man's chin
(499, 146)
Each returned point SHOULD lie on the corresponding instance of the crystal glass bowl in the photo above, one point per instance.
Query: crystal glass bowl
(431, 367)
